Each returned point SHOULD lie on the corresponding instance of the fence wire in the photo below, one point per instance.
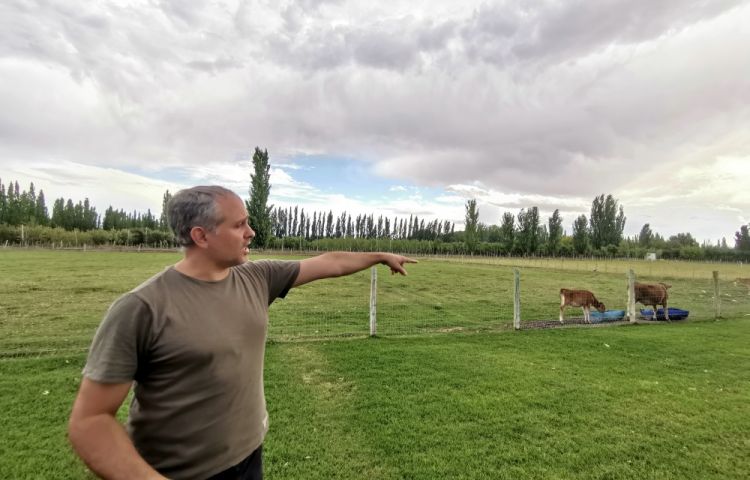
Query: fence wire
(449, 296)
(52, 301)
(445, 297)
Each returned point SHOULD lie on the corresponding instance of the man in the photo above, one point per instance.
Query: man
(191, 342)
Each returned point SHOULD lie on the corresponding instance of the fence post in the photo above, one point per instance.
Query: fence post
(717, 298)
(516, 299)
(631, 296)
(373, 301)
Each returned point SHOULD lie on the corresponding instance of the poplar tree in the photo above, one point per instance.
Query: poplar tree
(555, 232)
(507, 231)
(742, 239)
(329, 224)
(607, 222)
(528, 230)
(40, 210)
(163, 219)
(293, 231)
(257, 205)
(471, 220)
(646, 236)
(3, 202)
(580, 235)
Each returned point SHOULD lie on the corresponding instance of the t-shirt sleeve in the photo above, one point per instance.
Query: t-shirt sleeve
(119, 342)
(280, 275)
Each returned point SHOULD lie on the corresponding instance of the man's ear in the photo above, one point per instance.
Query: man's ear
(198, 234)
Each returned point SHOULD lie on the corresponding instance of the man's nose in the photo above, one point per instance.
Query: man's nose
(250, 232)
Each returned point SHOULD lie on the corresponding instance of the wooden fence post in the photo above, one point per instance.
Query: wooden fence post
(717, 298)
(631, 296)
(516, 299)
(373, 300)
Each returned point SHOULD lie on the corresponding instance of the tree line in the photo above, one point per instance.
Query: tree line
(26, 207)
(293, 222)
(523, 233)
(600, 234)
(526, 234)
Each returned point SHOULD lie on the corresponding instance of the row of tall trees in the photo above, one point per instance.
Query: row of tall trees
(601, 233)
(269, 222)
(119, 219)
(524, 233)
(26, 207)
(19, 207)
(294, 222)
(80, 216)
(742, 239)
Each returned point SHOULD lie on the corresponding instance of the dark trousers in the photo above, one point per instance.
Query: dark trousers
(251, 468)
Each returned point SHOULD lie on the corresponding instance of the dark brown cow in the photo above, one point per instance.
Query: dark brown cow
(579, 298)
(653, 294)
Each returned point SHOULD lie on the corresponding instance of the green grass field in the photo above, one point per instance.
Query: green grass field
(646, 401)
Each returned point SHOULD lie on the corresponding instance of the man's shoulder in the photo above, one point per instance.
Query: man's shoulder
(265, 264)
(157, 285)
(269, 270)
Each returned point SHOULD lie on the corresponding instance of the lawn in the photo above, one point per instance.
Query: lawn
(53, 300)
(644, 401)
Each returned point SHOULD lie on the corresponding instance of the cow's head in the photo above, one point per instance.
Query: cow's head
(600, 306)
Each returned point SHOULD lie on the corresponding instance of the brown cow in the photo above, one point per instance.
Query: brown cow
(745, 282)
(579, 298)
(653, 294)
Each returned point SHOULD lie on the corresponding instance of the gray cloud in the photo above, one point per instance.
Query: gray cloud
(563, 100)
(503, 33)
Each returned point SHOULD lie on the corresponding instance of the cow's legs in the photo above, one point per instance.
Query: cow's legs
(586, 315)
(666, 312)
(562, 306)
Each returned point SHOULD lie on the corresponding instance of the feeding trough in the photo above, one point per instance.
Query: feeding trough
(608, 316)
(674, 314)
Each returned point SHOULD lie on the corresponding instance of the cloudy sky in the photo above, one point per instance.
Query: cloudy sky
(388, 107)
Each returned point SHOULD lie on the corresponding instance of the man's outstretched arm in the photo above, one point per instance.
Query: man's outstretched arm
(337, 264)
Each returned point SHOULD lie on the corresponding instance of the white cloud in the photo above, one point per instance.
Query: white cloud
(516, 103)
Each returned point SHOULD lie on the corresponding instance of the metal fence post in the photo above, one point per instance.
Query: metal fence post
(516, 299)
(631, 296)
(717, 298)
(373, 300)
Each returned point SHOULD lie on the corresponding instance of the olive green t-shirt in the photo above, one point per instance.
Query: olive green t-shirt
(194, 350)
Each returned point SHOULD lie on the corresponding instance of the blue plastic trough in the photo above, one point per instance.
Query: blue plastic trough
(608, 316)
(674, 314)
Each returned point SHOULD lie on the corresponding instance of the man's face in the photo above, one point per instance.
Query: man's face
(228, 243)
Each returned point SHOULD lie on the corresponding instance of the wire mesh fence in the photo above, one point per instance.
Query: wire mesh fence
(53, 301)
(450, 296)
(437, 296)
(445, 297)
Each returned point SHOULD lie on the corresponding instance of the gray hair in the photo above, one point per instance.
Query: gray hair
(194, 207)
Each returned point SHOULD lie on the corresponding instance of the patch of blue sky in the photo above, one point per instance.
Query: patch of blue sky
(353, 178)
(179, 175)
